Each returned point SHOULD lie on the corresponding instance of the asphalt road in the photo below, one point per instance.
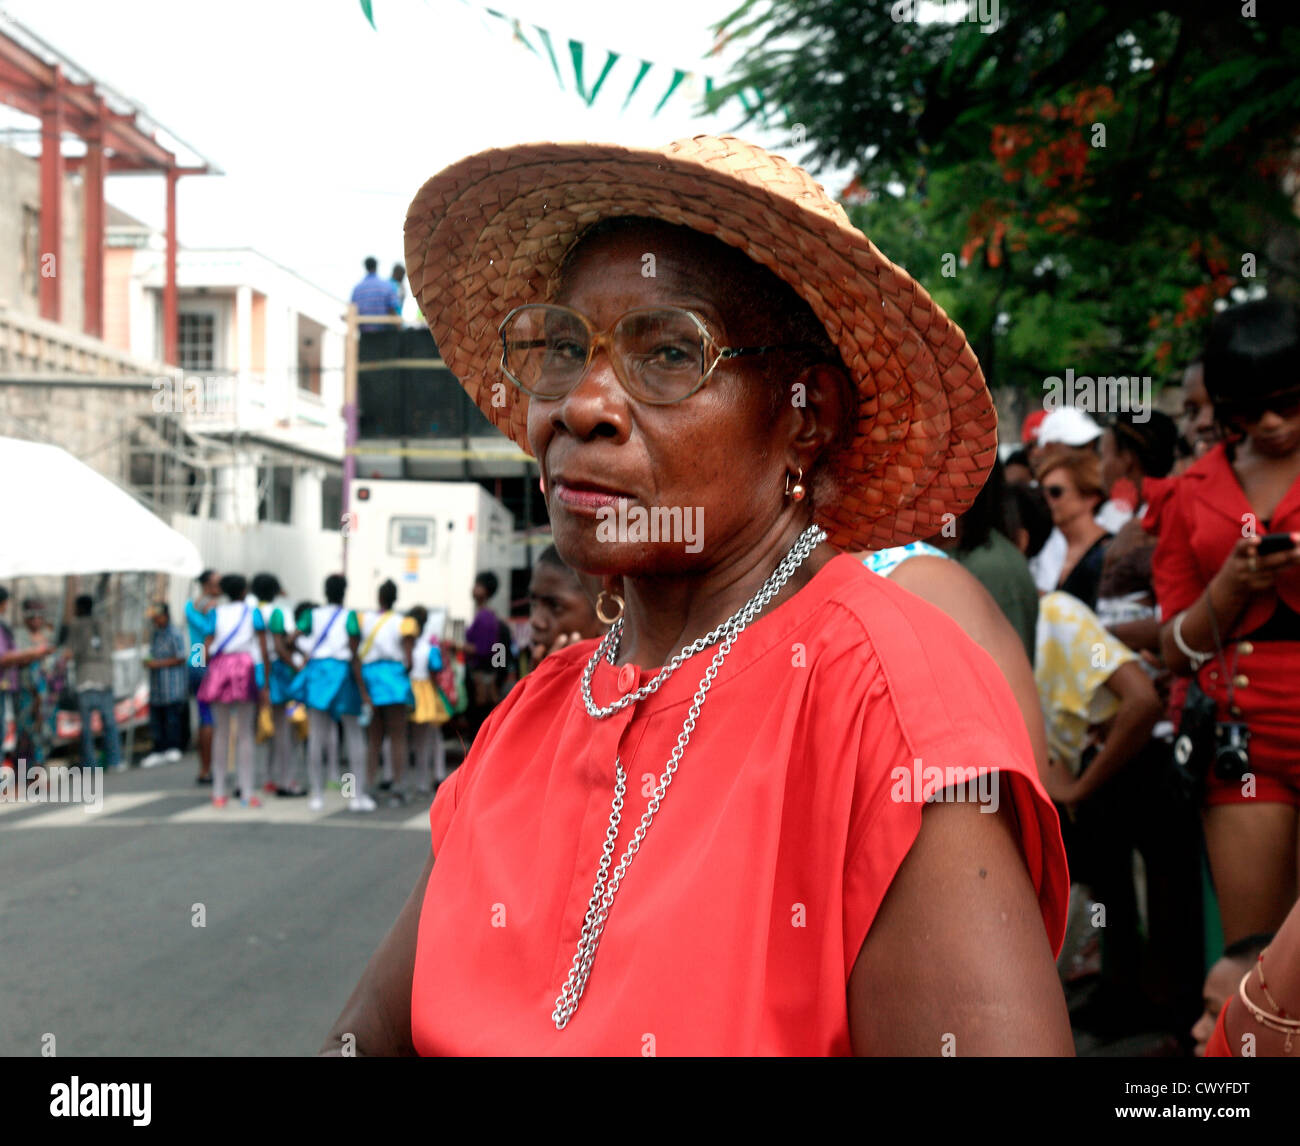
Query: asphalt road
(97, 918)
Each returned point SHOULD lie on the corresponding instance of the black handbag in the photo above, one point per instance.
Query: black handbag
(1202, 741)
(1194, 744)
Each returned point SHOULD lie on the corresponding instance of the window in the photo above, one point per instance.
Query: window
(30, 256)
(411, 535)
(275, 489)
(331, 502)
(310, 336)
(197, 341)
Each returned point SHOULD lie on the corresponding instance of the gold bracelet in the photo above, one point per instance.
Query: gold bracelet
(1287, 1027)
(1272, 1002)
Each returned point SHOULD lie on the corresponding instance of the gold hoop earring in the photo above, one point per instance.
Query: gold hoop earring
(797, 492)
(600, 604)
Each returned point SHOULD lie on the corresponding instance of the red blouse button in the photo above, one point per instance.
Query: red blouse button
(626, 678)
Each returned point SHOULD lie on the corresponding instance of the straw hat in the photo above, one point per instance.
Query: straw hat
(488, 233)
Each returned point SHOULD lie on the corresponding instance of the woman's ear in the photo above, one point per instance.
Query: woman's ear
(821, 399)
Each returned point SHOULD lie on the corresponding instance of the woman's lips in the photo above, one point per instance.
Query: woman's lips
(586, 498)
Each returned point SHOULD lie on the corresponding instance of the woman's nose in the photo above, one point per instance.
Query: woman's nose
(598, 400)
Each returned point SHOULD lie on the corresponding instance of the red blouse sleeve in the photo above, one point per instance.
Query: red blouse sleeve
(934, 709)
(444, 806)
(1175, 574)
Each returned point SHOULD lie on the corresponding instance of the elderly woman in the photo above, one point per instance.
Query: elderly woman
(783, 806)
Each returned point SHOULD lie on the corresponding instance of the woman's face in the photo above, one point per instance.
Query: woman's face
(716, 461)
(1220, 986)
(1198, 426)
(557, 604)
(1115, 463)
(1063, 497)
(1275, 435)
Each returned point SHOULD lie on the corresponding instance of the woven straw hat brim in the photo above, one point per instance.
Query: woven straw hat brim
(488, 234)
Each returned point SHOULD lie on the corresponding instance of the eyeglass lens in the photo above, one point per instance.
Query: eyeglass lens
(659, 353)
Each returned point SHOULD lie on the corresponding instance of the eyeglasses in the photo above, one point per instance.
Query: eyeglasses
(1054, 491)
(661, 355)
(1284, 405)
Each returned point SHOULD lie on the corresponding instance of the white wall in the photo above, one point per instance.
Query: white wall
(300, 557)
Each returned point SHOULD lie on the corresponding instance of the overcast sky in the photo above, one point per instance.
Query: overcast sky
(325, 129)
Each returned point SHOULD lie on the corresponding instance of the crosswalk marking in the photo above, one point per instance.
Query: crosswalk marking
(78, 815)
(117, 808)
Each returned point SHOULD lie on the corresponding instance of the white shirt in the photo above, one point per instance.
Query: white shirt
(381, 639)
(335, 646)
(1046, 565)
(244, 640)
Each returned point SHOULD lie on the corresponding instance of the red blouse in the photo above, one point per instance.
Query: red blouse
(739, 920)
(1199, 517)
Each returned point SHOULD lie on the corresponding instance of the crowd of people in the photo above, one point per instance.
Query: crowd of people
(1149, 569)
(382, 684)
(40, 666)
(1134, 578)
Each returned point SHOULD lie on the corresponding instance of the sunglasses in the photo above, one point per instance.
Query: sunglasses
(1284, 405)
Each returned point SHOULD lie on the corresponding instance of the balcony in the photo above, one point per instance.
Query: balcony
(31, 347)
(250, 403)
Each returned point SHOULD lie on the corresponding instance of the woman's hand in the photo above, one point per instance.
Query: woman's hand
(1245, 572)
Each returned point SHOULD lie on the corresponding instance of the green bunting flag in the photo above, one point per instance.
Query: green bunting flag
(578, 60)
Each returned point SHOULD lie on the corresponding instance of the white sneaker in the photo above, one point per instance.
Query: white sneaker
(362, 803)
(172, 755)
(153, 760)
(316, 804)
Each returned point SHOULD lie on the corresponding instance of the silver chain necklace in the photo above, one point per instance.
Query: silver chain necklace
(606, 886)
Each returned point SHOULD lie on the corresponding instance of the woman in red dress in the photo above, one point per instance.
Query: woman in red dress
(1231, 607)
(783, 807)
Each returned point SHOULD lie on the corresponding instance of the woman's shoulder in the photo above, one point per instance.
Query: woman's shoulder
(903, 625)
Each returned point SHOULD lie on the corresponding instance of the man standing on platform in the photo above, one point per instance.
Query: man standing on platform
(373, 295)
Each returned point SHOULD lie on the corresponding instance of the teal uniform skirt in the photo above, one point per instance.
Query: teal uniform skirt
(281, 679)
(327, 686)
(387, 683)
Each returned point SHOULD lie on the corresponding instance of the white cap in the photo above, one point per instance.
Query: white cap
(1068, 426)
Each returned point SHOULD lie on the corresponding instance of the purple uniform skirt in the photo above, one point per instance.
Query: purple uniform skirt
(229, 680)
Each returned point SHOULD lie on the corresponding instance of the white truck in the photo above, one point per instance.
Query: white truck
(432, 538)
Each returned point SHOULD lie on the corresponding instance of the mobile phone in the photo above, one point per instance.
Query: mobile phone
(1274, 543)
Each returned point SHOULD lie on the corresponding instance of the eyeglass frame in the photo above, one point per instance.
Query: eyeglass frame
(605, 337)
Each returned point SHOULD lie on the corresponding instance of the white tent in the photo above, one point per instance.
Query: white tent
(60, 518)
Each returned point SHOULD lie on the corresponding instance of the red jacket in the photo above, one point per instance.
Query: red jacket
(1199, 517)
